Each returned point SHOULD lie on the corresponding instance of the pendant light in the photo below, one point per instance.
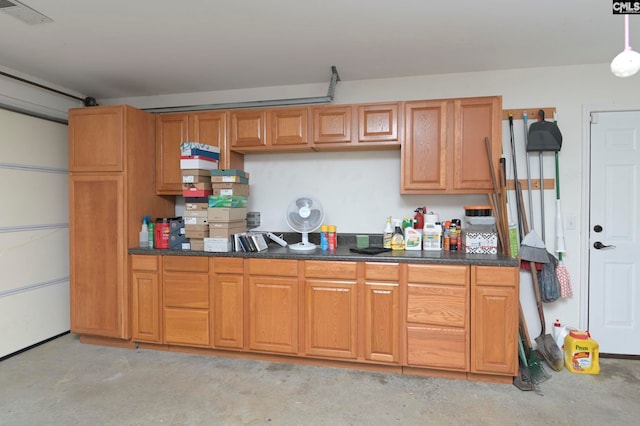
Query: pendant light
(626, 63)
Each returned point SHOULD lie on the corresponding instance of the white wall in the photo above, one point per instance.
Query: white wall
(360, 189)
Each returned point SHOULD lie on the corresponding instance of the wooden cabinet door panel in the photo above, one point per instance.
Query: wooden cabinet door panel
(96, 139)
(289, 127)
(331, 319)
(186, 327)
(248, 128)
(228, 311)
(209, 128)
(382, 322)
(437, 347)
(437, 305)
(378, 123)
(171, 131)
(332, 124)
(438, 274)
(99, 299)
(424, 152)
(145, 306)
(475, 121)
(273, 314)
(186, 290)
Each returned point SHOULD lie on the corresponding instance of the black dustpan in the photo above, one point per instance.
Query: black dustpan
(544, 136)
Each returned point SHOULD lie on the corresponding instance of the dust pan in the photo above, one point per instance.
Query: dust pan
(544, 135)
(533, 249)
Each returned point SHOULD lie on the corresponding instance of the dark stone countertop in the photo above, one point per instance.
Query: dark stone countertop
(344, 254)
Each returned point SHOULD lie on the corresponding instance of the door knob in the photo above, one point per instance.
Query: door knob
(598, 245)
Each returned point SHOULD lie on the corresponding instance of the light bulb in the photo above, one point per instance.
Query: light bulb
(626, 63)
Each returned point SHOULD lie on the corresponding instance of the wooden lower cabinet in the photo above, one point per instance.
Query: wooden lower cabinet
(273, 305)
(146, 293)
(228, 302)
(494, 320)
(186, 301)
(438, 316)
(382, 312)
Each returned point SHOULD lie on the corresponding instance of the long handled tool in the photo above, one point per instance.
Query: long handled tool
(515, 176)
(561, 271)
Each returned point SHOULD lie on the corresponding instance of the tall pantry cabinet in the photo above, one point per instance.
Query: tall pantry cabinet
(111, 188)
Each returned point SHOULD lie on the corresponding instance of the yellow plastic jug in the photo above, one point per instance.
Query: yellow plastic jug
(581, 353)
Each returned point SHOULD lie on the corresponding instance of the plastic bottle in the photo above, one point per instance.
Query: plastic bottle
(581, 354)
(388, 234)
(397, 241)
(418, 218)
(332, 237)
(446, 241)
(557, 332)
(152, 234)
(144, 234)
(324, 240)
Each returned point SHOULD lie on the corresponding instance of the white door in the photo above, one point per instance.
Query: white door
(614, 235)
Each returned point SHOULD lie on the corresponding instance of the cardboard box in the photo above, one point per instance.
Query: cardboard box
(217, 244)
(197, 162)
(197, 244)
(193, 192)
(197, 172)
(226, 229)
(195, 179)
(230, 172)
(196, 231)
(230, 188)
(186, 147)
(226, 214)
(196, 186)
(176, 241)
(480, 242)
(195, 152)
(194, 220)
(228, 201)
(196, 206)
(195, 213)
(229, 179)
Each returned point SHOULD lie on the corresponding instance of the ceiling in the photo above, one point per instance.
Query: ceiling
(124, 48)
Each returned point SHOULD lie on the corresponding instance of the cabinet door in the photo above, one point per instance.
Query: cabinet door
(332, 125)
(424, 152)
(289, 127)
(96, 139)
(228, 313)
(331, 318)
(378, 123)
(145, 299)
(475, 120)
(273, 314)
(494, 320)
(382, 321)
(248, 129)
(171, 131)
(99, 297)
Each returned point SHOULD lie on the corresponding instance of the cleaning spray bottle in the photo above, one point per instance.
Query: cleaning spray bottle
(397, 241)
(152, 233)
(388, 234)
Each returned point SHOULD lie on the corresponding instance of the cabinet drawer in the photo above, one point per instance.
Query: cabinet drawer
(277, 267)
(495, 275)
(437, 347)
(228, 265)
(188, 327)
(437, 305)
(438, 274)
(331, 270)
(144, 263)
(186, 290)
(382, 271)
(186, 263)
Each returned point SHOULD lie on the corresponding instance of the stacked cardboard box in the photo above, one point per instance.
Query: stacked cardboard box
(196, 162)
(227, 208)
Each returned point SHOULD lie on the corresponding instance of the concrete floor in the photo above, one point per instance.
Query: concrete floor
(65, 382)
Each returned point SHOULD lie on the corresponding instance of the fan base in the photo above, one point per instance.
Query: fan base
(303, 246)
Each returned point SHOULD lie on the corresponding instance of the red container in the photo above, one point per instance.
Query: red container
(162, 231)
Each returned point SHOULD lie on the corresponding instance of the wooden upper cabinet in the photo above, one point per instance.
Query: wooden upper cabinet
(378, 124)
(424, 153)
(289, 127)
(248, 129)
(444, 148)
(96, 139)
(475, 120)
(209, 127)
(332, 125)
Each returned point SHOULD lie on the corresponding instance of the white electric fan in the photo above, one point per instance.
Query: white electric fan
(304, 214)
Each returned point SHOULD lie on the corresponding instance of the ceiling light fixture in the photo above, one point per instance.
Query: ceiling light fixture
(626, 63)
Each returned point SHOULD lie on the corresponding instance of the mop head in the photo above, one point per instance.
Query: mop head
(533, 248)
